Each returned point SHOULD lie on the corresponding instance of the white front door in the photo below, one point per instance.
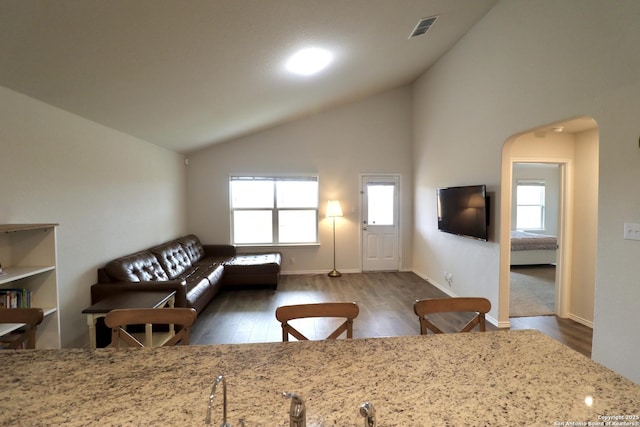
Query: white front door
(380, 235)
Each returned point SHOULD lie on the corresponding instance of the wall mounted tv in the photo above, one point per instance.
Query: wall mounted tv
(464, 211)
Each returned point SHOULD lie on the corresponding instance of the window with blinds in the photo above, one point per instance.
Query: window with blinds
(273, 210)
(530, 204)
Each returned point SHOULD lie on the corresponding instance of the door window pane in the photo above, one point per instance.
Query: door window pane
(380, 204)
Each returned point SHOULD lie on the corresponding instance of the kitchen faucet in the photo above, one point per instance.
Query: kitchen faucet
(218, 380)
(297, 412)
(369, 413)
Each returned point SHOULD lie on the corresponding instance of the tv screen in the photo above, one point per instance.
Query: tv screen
(464, 211)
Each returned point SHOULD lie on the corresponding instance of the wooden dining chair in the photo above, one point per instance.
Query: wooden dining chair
(118, 320)
(24, 336)
(346, 310)
(479, 306)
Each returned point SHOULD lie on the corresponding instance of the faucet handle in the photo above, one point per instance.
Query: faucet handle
(369, 413)
(219, 379)
(298, 410)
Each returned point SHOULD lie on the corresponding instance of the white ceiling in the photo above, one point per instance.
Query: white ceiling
(184, 74)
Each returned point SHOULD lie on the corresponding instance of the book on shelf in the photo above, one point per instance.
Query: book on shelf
(15, 298)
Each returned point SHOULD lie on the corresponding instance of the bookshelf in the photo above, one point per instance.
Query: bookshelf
(28, 259)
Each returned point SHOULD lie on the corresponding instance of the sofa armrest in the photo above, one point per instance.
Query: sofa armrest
(100, 291)
(219, 250)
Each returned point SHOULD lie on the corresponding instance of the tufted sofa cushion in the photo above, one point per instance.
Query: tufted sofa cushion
(138, 267)
(192, 247)
(207, 255)
(173, 258)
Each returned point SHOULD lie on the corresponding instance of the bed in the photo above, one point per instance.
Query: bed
(532, 248)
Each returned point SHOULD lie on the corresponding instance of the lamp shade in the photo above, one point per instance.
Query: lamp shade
(333, 209)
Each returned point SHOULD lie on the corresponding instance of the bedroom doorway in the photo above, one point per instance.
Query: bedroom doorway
(571, 146)
(535, 220)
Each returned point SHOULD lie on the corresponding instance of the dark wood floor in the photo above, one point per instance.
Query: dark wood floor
(571, 333)
(386, 309)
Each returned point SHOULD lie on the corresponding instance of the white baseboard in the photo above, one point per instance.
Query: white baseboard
(347, 271)
(444, 289)
(300, 272)
(579, 319)
(501, 325)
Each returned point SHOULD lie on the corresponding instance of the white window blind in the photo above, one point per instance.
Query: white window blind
(274, 210)
(530, 204)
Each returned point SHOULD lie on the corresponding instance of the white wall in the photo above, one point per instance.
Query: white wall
(110, 193)
(370, 136)
(523, 65)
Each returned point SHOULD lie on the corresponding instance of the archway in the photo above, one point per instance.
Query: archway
(573, 144)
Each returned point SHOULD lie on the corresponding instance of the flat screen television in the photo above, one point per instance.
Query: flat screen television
(464, 211)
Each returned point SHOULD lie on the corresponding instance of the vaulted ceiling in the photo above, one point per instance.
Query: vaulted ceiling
(185, 74)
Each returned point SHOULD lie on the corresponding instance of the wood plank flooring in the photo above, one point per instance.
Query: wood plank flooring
(386, 309)
(571, 333)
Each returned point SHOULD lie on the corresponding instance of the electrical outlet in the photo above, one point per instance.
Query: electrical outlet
(631, 231)
(449, 278)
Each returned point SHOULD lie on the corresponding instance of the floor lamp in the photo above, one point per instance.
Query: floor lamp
(333, 211)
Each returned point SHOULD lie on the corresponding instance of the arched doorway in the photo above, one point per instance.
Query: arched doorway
(573, 145)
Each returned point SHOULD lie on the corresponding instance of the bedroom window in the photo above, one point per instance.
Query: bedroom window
(530, 205)
(268, 210)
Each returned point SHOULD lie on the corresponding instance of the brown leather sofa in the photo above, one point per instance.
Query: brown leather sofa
(196, 272)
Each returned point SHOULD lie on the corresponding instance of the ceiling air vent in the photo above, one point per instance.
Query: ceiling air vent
(423, 26)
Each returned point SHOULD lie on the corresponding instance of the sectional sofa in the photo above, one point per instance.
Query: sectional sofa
(196, 272)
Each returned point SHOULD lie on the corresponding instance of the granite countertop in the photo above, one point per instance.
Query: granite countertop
(496, 378)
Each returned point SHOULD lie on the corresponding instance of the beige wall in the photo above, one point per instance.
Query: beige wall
(110, 193)
(585, 223)
(370, 136)
(526, 64)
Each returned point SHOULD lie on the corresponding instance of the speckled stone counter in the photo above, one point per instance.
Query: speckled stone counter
(497, 378)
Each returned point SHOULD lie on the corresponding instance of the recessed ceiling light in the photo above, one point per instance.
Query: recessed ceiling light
(558, 129)
(309, 61)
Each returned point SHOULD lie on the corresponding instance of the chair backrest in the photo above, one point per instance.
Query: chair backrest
(477, 305)
(25, 336)
(118, 320)
(346, 310)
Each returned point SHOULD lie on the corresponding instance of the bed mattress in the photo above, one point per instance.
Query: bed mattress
(526, 241)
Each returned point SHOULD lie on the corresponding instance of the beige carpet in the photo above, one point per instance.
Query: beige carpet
(532, 291)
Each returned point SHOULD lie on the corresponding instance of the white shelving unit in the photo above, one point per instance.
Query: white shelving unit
(28, 259)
